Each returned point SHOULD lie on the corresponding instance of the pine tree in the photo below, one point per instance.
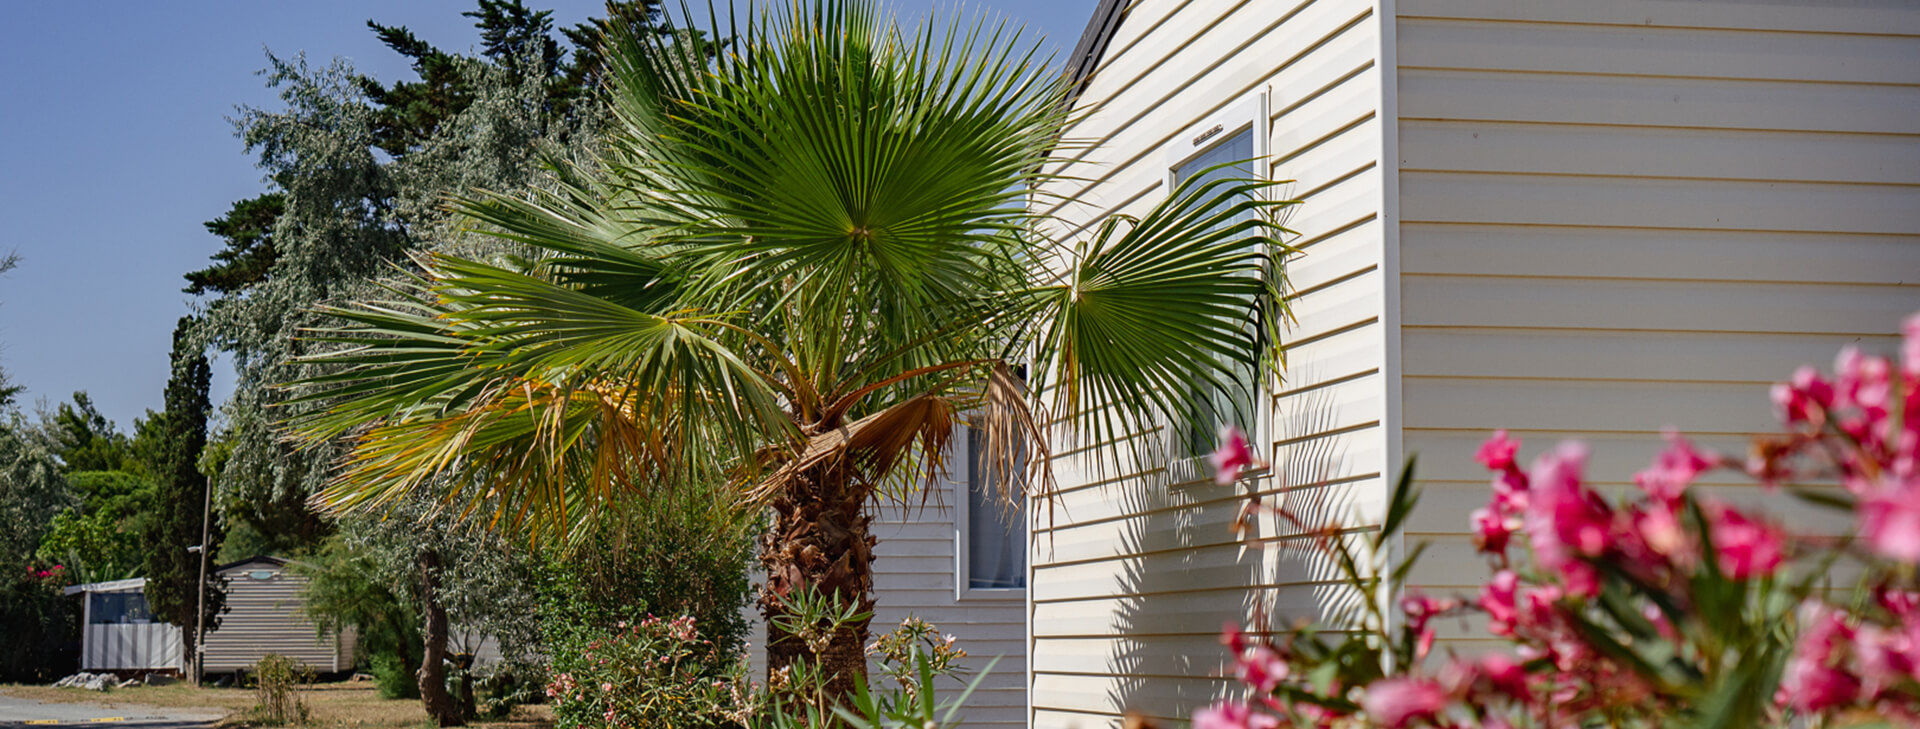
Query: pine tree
(173, 573)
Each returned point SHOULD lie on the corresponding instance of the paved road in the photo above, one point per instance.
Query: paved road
(18, 712)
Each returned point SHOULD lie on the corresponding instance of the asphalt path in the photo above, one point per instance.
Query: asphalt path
(19, 712)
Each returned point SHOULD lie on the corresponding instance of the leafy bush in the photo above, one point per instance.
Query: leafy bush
(653, 673)
(1667, 607)
(393, 676)
(675, 551)
(41, 626)
(276, 681)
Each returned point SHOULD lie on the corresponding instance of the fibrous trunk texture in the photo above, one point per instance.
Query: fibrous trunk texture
(819, 538)
(433, 661)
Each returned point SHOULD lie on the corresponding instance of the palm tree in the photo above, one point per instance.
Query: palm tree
(795, 270)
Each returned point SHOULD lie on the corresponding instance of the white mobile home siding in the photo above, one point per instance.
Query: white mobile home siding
(1621, 215)
(1134, 577)
(1568, 218)
(263, 616)
(915, 572)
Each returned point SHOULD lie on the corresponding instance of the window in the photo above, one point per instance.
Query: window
(1237, 139)
(118, 607)
(992, 533)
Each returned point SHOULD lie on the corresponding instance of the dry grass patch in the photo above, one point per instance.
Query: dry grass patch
(352, 704)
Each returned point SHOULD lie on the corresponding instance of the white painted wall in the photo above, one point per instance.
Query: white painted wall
(1622, 215)
(1135, 578)
(1569, 218)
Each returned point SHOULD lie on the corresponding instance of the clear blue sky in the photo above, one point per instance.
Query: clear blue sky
(115, 146)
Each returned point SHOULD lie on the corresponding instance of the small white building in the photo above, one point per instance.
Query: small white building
(120, 633)
(262, 616)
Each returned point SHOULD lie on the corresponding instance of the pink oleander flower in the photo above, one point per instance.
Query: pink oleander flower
(1804, 398)
(1420, 610)
(1675, 468)
(1815, 678)
(1658, 527)
(1565, 520)
(1498, 452)
(1261, 668)
(1890, 521)
(1745, 548)
(1233, 715)
(1232, 638)
(1492, 531)
(1233, 456)
(1396, 702)
(1500, 598)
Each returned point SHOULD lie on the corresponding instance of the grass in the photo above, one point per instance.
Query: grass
(343, 705)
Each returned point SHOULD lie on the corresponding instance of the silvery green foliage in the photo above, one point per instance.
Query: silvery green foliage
(353, 216)
(486, 582)
(32, 491)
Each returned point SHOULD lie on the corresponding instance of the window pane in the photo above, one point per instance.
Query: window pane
(1234, 407)
(118, 607)
(996, 532)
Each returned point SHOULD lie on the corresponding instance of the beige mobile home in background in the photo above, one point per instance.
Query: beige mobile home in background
(1569, 218)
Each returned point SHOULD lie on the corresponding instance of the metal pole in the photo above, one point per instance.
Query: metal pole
(200, 612)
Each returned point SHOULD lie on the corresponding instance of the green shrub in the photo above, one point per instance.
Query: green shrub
(393, 677)
(654, 673)
(276, 681)
(42, 626)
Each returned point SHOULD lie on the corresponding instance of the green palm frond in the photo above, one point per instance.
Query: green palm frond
(1159, 311)
(808, 246)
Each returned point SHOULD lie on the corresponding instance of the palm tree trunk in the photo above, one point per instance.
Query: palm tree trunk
(433, 663)
(819, 539)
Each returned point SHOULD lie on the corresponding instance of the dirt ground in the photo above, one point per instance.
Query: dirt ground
(345, 704)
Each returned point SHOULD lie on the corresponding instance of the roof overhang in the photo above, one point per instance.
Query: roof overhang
(1093, 44)
(135, 583)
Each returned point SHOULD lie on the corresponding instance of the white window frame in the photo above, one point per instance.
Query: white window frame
(962, 522)
(1250, 112)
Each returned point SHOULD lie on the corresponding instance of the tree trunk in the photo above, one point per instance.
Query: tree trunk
(819, 539)
(433, 661)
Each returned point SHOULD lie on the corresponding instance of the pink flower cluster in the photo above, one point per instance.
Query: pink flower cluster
(1669, 564)
(1861, 427)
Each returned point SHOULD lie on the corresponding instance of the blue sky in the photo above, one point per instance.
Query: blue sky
(115, 147)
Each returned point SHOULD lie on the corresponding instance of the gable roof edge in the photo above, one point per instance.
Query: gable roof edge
(1093, 45)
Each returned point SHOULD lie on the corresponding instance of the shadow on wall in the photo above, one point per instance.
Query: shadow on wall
(1190, 576)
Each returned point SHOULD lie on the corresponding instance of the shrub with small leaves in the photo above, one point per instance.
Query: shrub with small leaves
(653, 673)
(277, 680)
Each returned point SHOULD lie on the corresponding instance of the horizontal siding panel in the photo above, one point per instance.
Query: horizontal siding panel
(1888, 17)
(1333, 357)
(1659, 203)
(1651, 51)
(1447, 506)
(1451, 565)
(1584, 405)
(1654, 305)
(1659, 152)
(1223, 562)
(1670, 356)
(1106, 698)
(1330, 309)
(1666, 102)
(1164, 106)
(1195, 613)
(1617, 252)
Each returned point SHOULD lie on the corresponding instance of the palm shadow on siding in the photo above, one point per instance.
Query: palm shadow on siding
(1190, 576)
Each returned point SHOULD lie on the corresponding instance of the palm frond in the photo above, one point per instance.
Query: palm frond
(1156, 314)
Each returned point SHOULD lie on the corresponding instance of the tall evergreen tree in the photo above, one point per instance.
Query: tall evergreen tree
(173, 573)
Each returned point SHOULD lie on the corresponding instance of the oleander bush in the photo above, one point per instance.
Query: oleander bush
(1666, 607)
